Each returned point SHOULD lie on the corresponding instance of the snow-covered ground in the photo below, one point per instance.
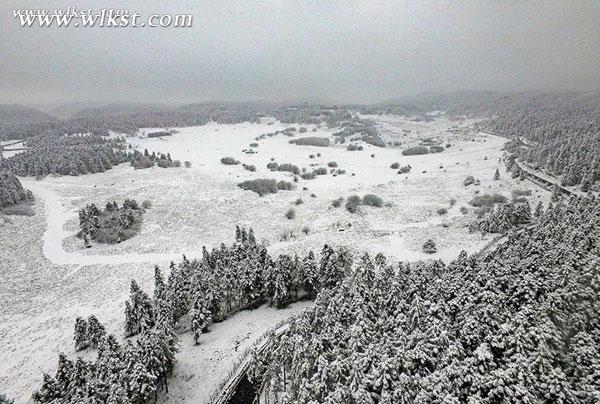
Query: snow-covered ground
(49, 278)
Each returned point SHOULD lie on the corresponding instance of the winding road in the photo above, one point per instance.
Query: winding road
(54, 235)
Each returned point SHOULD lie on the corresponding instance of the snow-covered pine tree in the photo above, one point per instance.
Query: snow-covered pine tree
(141, 306)
(49, 392)
(95, 331)
(311, 275)
(200, 316)
(80, 334)
(132, 326)
(159, 284)
(251, 237)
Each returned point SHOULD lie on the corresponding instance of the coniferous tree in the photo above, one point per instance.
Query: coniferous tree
(95, 331)
(81, 334)
(201, 316)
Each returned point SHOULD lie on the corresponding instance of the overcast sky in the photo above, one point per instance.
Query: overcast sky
(343, 51)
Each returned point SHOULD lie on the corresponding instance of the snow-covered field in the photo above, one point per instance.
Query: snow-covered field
(49, 278)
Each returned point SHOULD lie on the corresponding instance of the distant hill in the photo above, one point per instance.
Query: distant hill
(121, 108)
(11, 114)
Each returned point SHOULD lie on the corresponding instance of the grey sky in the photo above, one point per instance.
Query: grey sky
(344, 51)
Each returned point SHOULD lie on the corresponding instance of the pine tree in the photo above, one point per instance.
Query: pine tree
(64, 373)
(200, 316)
(497, 175)
(95, 331)
(49, 392)
(311, 275)
(159, 284)
(141, 307)
(131, 324)
(80, 334)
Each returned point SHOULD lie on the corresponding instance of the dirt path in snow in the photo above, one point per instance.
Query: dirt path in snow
(57, 216)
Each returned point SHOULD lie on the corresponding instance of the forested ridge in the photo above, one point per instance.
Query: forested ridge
(128, 118)
(562, 128)
(517, 324)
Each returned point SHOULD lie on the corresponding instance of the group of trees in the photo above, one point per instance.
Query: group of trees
(66, 155)
(229, 279)
(11, 191)
(113, 224)
(504, 217)
(79, 154)
(517, 324)
(133, 372)
(264, 186)
(224, 281)
(147, 159)
(312, 114)
(356, 128)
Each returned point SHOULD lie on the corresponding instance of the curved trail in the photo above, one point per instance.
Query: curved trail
(57, 216)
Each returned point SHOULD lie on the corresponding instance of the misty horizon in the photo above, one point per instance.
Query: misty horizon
(359, 52)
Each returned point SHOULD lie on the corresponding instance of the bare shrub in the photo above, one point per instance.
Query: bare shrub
(404, 169)
(429, 247)
(260, 186)
(285, 185)
(289, 168)
(416, 150)
(311, 141)
(469, 180)
(487, 200)
(352, 203)
(337, 202)
(372, 200)
(308, 176)
(229, 161)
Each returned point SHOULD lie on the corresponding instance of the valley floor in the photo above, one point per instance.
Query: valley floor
(49, 278)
